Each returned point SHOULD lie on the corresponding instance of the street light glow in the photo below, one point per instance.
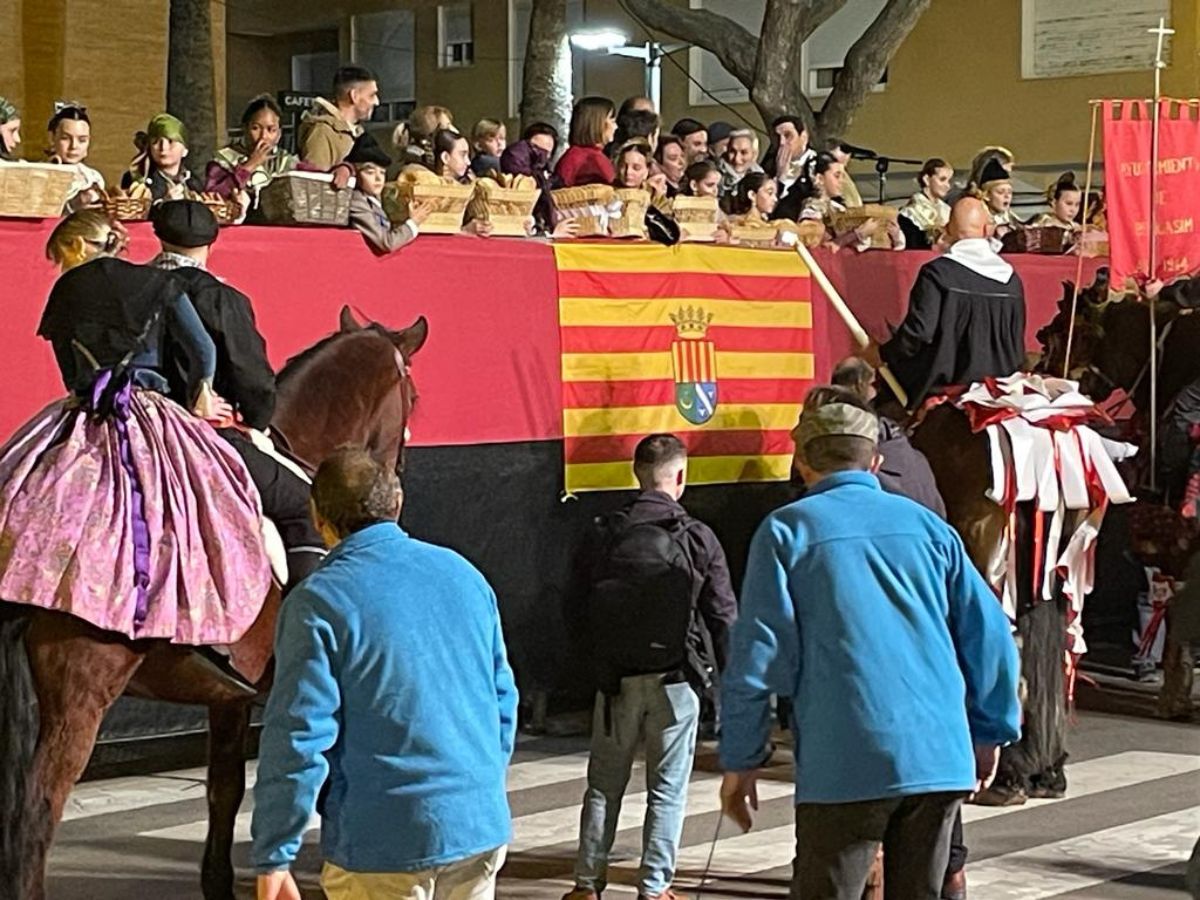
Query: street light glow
(605, 39)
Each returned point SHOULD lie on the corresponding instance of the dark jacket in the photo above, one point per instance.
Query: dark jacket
(714, 598)
(905, 470)
(523, 158)
(244, 376)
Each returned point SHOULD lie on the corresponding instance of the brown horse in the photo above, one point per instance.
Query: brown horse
(59, 674)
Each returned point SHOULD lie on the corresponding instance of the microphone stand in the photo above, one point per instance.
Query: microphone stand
(882, 164)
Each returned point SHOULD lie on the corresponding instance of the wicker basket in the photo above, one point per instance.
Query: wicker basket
(811, 232)
(697, 217)
(590, 206)
(507, 209)
(849, 219)
(124, 208)
(449, 201)
(227, 212)
(34, 190)
(762, 236)
(631, 223)
(304, 198)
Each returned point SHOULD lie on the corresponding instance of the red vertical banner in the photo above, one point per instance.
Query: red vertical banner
(1127, 143)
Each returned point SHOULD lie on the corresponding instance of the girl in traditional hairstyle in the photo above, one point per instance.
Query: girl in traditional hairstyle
(824, 200)
(159, 163)
(924, 217)
(756, 197)
(70, 132)
(452, 161)
(1065, 198)
(10, 128)
(117, 505)
(250, 162)
(702, 179)
(996, 191)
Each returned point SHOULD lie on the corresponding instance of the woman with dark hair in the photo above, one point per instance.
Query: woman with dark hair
(250, 162)
(756, 196)
(925, 215)
(702, 179)
(10, 128)
(1065, 197)
(70, 132)
(637, 123)
(593, 124)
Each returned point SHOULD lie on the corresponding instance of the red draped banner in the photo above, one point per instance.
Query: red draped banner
(1127, 143)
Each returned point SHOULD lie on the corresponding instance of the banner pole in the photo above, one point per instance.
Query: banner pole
(1087, 193)
(1156, 114)
(856, 330)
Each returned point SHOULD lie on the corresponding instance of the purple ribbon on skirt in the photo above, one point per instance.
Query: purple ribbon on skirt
(118, 405)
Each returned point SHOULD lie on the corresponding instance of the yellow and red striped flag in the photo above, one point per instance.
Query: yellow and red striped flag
(713, 344)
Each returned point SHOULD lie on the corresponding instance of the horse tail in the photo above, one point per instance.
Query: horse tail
(18, 742)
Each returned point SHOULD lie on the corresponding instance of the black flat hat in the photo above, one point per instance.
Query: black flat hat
(184, 223)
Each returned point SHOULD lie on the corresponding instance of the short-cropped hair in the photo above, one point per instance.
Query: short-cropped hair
(352, 491)
(347, 77)
(841, 452)
(655, 451)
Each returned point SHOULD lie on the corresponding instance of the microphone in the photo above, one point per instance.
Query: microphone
(858, 152)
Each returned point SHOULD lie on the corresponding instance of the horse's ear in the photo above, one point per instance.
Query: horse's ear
(412, 338)
(347, 322)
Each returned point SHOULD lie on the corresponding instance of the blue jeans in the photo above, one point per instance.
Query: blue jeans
(663, 717)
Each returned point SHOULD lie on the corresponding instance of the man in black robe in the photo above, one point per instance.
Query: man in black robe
(966, 314)
(244, 377)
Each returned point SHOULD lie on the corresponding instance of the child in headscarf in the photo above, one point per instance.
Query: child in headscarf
(159, 164)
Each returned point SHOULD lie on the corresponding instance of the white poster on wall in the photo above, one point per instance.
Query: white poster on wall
(1060, 38)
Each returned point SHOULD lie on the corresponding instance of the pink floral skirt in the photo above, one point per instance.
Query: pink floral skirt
(73, 490)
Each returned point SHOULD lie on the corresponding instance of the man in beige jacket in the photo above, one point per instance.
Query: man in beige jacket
(328, 130)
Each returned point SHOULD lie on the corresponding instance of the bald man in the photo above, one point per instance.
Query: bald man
(966, 314)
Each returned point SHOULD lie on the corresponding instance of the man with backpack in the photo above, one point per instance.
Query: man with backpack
(660, 606)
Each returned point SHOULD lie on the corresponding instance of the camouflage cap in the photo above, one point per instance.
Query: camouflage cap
(836, 419)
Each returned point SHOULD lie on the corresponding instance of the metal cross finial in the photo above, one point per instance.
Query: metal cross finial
(1162, 31)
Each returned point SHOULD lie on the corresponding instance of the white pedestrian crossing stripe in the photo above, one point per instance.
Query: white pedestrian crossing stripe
(1073, 864)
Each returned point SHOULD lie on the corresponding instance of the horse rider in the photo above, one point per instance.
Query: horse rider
(966, 314)
(187, 230)
(117, 505)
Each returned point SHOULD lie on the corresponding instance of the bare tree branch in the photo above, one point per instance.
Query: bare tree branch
(546, 82)
(819, 12)
(866, 62)
(728, 41)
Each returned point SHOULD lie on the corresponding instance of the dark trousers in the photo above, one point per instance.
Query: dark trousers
(958, 849)
(836, 845)
(285, 502)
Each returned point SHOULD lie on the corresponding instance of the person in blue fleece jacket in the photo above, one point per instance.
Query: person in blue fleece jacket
(863, 607)
(393, 701)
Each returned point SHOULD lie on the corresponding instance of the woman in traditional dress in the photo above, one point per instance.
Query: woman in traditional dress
(452, 162)
(996, 191)
(924, 217)
(160, 161)
(825, 200)
(117, 505)
(633, 162)
(249, 163)
(1065, 198)
(70, 132)
(10, 129)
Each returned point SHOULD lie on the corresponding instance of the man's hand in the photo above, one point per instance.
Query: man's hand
(987, 757)
(278, 886)
(739, 795)
(341, 175)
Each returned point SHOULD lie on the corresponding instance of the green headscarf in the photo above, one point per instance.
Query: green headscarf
(167, 126)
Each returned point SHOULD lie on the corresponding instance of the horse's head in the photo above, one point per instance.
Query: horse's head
(354, 387)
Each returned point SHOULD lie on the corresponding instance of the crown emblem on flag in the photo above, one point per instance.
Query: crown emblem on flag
(691, 321)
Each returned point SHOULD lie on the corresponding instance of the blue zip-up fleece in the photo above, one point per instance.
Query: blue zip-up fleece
(864, 608)
(392, 689)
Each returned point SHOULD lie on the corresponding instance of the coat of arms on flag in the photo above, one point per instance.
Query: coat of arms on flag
(694, 359)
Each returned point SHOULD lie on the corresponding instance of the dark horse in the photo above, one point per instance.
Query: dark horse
(59, 674)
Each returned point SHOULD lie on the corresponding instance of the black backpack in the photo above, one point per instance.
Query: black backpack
(642, 599)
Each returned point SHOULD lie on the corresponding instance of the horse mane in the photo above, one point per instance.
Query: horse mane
(302, 360)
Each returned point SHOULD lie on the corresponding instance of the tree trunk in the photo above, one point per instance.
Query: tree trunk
(546, 91)
(777, 88)
(191, 79)
(866, 62)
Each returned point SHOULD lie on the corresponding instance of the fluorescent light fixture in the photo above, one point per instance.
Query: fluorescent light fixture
(605, 39)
